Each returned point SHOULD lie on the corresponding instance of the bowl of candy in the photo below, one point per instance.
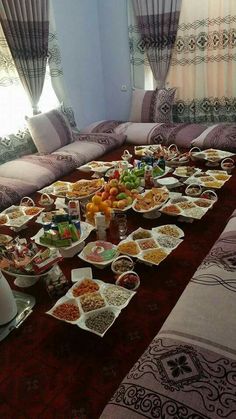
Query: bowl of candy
(129, 280)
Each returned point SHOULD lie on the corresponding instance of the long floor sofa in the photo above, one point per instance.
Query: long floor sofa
(26, 174)
(189, 369)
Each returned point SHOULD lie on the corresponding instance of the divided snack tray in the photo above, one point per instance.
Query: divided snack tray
(187, 206)
(97, 166)
(70, 190)
(212, 153)
(210, 179)
(153, 249)
(97, 304)
(18, 215)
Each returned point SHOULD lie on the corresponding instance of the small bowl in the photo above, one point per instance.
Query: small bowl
(115, 261)
(129, 280)
(228, 165)
(190, 190)
(192, 151)
(209, 194)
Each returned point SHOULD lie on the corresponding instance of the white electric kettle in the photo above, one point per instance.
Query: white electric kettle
(8, 307)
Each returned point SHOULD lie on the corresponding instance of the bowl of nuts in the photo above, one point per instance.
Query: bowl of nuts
(122, 264)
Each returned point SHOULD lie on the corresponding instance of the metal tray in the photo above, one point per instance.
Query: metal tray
(25, 303)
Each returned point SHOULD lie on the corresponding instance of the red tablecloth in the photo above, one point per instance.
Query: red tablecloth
(50, 369)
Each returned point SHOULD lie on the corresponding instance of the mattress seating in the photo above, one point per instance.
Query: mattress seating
(189, 368)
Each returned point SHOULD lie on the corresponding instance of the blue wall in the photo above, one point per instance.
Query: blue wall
(115, 57)
(93, 39)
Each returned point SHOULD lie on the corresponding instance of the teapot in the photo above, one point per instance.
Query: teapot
(8, 307)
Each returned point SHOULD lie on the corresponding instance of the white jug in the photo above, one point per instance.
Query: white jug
(8, 307)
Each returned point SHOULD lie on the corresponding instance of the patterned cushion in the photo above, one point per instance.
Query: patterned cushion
(12, 190)
(50, 131)
(16, 145)
(152, 105)
(220, 136)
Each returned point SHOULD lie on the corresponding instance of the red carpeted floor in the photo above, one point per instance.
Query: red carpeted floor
(50, 369)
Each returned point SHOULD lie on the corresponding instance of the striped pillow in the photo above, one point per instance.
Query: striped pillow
(152, 105)
(50, 131)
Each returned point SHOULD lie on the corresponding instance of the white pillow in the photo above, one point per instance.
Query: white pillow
(50, 131)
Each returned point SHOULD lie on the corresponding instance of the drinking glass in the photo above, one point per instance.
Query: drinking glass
(122, 225)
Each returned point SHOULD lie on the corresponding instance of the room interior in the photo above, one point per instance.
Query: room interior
(169, 349)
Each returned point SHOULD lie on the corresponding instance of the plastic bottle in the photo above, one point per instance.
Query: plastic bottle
(148, 177)
(162, 163)
(74, 210)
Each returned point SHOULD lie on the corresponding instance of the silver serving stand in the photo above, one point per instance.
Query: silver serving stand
(25, 303)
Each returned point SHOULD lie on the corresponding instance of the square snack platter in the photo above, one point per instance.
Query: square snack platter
(216, 182)
(103, 288)
(193, 212)
(206, 154)
(16, 222)
(141, 245)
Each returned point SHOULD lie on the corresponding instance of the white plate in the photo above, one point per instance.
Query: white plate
(86, 229)
(81, 273)
(196, 170)
(143, 253)
(62, 300)
(178, 230)
(82, 255)
(19, 221)
(169, 182)
(221, 154)
(153, 208)
(81, 323)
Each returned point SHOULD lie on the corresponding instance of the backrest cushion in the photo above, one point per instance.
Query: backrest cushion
(152, 105)
(16, 145)
(50, 131)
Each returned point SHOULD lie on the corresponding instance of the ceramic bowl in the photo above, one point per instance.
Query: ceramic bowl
(129, 280)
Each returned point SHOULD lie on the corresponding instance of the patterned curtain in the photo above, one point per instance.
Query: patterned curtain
(26, 27)
(157, 22)
(56, 70)
(203, 65)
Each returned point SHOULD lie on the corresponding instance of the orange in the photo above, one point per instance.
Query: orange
(89, 206)
(96, 199)
(90, 215)
(107, 212)
(105, 195)
(114, 191)
(103, 206)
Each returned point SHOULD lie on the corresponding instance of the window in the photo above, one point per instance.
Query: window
(15, 105)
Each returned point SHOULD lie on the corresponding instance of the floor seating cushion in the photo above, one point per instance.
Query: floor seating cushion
(42, 169)
(189, 369)
(12, 190)
(184, 135)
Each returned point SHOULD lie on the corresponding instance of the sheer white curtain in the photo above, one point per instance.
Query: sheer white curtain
(14, 101)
